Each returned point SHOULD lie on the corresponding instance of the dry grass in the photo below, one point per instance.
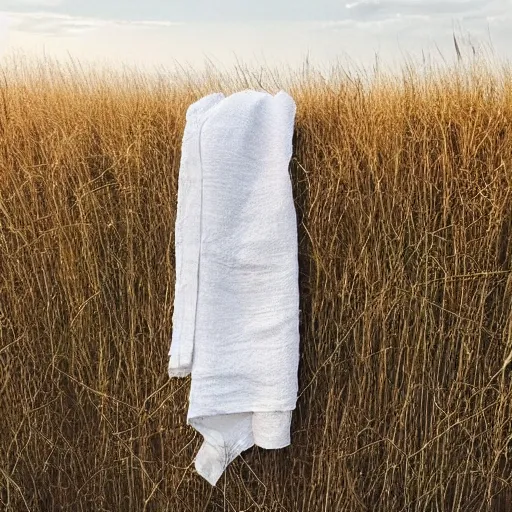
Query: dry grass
(403, 188)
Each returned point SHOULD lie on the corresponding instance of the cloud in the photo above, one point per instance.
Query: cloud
(32, 3)
(388, 30)
(52, 24)
(375, 10)
(370, 23)
(147, 23)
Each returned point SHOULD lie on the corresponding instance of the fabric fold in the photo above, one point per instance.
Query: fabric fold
(187, 236)
(235, 318)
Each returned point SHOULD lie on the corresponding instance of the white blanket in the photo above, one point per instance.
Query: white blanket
(235, 319)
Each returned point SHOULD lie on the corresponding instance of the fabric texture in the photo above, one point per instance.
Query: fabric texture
(236, 306)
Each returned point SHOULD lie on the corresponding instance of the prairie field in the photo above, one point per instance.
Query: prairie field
(403, 191)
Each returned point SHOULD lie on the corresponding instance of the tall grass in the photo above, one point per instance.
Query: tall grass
(403, 189)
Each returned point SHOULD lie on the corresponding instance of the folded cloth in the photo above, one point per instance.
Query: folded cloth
(236, 306)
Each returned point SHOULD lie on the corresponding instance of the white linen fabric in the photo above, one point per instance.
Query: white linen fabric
(236, 306)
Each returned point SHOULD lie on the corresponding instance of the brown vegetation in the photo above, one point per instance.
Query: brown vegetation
(403, 190)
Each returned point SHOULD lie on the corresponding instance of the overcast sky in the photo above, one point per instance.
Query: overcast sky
(150, 33)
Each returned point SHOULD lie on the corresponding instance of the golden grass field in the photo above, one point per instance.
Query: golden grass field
(403, 190)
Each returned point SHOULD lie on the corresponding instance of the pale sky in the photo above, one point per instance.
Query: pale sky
(159, 33)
